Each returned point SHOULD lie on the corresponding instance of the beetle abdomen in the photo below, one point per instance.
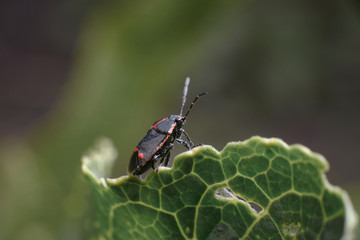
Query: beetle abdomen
(134, 161)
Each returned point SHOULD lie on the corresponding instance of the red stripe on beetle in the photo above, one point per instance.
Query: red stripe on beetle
(141, 156)
(171, 128)
(136, 149)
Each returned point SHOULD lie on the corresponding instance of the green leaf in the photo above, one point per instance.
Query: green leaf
(256, 189)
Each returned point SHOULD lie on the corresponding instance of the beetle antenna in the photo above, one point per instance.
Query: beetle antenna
(193, 102)
(187, 81)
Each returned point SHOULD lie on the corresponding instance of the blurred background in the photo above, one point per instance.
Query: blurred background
(74, 71)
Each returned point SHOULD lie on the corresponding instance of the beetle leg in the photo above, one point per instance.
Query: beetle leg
(154, 159)
(165, 159)
(167, 154)
(187, 137)
(184, 143)
(160, 156)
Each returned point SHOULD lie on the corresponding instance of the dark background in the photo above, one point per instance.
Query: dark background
(73, 71)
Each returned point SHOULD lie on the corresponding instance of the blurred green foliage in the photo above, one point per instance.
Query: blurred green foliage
(265, 64)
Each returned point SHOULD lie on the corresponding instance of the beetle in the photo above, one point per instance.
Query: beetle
(158, 141)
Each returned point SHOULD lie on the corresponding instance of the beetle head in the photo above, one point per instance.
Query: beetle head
(180, 120)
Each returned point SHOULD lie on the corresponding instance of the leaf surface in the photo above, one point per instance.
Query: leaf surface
(256, 189)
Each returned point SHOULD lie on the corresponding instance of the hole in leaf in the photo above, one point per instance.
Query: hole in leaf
(256, 207)
(226, 193)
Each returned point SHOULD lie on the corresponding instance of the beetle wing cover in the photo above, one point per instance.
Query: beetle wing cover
(151, 142)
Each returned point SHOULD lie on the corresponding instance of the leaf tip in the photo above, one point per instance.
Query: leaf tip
(99, 160)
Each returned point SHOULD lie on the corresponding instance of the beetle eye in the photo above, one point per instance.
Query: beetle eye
(180, 120)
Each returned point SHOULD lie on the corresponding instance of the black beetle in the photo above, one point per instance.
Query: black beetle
(158, 141)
